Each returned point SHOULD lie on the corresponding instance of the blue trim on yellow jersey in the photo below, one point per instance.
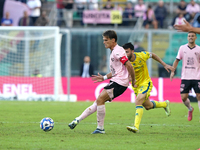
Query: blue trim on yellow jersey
(147, 88)
(135, 57)
(144, 52)
(138, 107)
(154, 104)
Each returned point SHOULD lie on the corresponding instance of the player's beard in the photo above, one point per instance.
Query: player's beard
(129, 58)
(192, 42)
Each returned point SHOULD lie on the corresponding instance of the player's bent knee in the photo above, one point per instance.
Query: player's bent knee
(100, 101)
(147, 107)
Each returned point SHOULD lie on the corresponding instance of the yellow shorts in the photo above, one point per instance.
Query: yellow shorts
(144, 88)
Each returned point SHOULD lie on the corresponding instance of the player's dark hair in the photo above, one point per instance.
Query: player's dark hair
(128, 45)
(192, 32)
(111, 34)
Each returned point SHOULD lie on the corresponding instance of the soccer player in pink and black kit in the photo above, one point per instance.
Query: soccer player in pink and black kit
(190, 75)
(121, 70)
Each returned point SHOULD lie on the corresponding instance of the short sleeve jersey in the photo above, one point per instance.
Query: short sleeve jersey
(140, 67)
(32, 4)
(6, 21)
(190, 62)
(119, 71)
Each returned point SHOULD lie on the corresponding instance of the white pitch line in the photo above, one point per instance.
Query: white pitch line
(172, 125)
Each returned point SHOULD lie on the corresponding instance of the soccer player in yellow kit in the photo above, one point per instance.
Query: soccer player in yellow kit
(143, 85)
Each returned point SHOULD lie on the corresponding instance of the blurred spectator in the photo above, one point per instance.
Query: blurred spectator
(80, 6)
(181, 8)
(93, 4)
(149, 18)
(68, 13)
(23, 1)
(196, 20)
(43, 1)
(7, 21)
(36, 73)
(192, 9)
(118, 7)
(42, 20)
(128, 13)
(108, 5)
(2, 8)
(161, 13)
(139, 9)
(86, 69)
(34, 6)
(179, 19)
(25, 20)
(60, 6)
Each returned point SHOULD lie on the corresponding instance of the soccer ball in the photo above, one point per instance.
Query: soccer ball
(46, 124)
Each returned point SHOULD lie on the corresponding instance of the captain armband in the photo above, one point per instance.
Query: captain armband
(123, 60)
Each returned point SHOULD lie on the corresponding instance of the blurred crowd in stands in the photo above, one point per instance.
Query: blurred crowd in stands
(32, 15)
(153, 15)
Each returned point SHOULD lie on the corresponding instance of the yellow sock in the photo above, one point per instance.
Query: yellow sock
(138, 115)
(157, 104)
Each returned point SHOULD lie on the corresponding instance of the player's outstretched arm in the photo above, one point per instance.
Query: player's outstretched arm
(175, 64)
(187, 27)
(166, 66)
(100, 78)
(131, 72)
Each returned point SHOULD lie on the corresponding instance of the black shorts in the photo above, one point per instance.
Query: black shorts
(187, 85)
(147, 22)
(114, 89)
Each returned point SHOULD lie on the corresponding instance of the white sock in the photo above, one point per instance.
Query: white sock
(88, 111)
(101, 111)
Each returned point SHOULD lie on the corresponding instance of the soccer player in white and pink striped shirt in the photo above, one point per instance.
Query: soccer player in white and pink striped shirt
(121, 69)
(190, 75)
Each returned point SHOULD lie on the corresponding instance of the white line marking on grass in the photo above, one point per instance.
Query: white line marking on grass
(170, 125)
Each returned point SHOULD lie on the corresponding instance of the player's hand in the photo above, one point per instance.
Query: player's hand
(97, 78)
(134, 84)
(183, 28)
(168, 67)
(171, 76)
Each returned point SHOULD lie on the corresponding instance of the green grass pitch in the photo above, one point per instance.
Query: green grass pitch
(20, 120)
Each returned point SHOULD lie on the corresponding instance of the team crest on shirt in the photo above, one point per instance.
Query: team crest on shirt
(190, 61)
